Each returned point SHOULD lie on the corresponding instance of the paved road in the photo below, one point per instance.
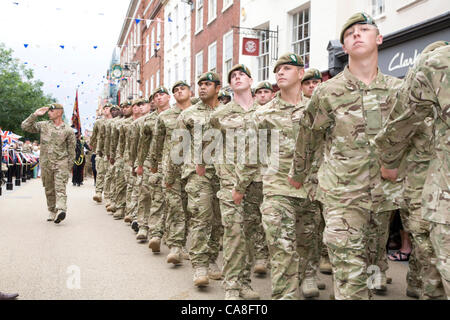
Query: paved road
(41, 260)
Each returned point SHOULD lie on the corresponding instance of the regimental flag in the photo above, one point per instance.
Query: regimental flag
(76, 121)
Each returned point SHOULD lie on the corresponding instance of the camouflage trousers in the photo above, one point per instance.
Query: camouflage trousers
(205, 227)
(289, 224)
(177, 216)
(422, 271)
(109, 184)
(120, 187)
(145, 198)
(54, 182)
(440, 238)
(158, 208)
(352, 235)
(308, 267)
(100, 165)
(132, 196)
(252, 203)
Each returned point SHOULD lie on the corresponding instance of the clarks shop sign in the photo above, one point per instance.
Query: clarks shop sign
(397, 60)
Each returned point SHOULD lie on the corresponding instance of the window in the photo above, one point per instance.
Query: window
(301, 35)
(176, 72)
(184, 68)
(212, 57)
(199, 16)
(158, 36)
(151, 43)
(158, 83)
(147, 48)
(228, 53)
(177, 25)
(199, 64)
(156, 39)
(169, 77)
(185, 21)
(226, 4)
(152, 83)
(263, 59)
(212, 10)
(377, 8)
(169, 39)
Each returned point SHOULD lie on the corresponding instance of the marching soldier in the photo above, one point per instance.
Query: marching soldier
(156, 198)
(345, 113)
(57, 156)
(177, 215)
(421, 110)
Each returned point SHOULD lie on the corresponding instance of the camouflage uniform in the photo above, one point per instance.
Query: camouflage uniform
(344, 114)
(425, 94)
(236, 219)
(205, 226)
(176, 215)
(120, 167)
(156, 199)
(132, 179)
(56, 159)
(288, 217)
(110, 168)
(100, 165)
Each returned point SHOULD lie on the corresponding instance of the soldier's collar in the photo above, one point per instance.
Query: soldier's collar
(283, 104)
(352, 83)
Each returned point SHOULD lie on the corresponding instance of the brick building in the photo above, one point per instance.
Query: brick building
(215, 44)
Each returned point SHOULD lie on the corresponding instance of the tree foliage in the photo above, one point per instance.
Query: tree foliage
(20, 94)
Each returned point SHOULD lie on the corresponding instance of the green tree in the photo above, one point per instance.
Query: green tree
(20, 94)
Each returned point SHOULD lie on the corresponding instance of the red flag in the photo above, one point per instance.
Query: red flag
(250, 46)
(76, 122)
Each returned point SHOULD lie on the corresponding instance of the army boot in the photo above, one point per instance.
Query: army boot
(174, 256)
(309, 287)
(248, 293)
(118, 214)
(97, 198)
(60, 216)
(142, 234)
(184, 253)
(232, 295)
(413, 292)
(320, 284)
(214, 272)
(51, 216)
(260, 266)
(135, 226)
(155, 244)
(128, 219)
(201, 277)
(380, 283)
(325, 265)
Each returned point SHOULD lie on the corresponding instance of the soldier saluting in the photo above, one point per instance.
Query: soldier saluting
(57, 155)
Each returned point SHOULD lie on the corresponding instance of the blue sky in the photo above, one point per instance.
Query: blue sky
(88, 31)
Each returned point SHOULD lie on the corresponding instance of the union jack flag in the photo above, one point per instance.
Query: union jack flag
(9, 137)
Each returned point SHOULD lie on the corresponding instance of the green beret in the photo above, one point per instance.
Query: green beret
(312, 73)
(54, 106)
(209, 76)
(357, 18)
(124, 104)
(107, 105)
(195, 100)
(434, 46)
(224, 93)
(240, 67)
(114, 107)
(140, 101)
(264, 85)
(289, 58)
(180, 83)
(160, 90)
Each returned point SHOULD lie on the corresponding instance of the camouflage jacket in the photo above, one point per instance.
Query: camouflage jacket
(135, 134)
(96, 134)
(426, 93)
(166, 122)
(232, 120)
(344, 115)
(280, 119)
(115, 136)
(194, 122)
(108, 135)
(57, 143)
(124, 138)
(146, 138)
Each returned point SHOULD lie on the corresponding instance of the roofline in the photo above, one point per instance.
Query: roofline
(134, 5)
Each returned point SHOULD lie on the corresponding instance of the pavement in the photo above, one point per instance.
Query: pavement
(91, 256)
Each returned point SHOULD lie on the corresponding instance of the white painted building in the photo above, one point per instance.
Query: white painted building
(177, 37)
(306, 27)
